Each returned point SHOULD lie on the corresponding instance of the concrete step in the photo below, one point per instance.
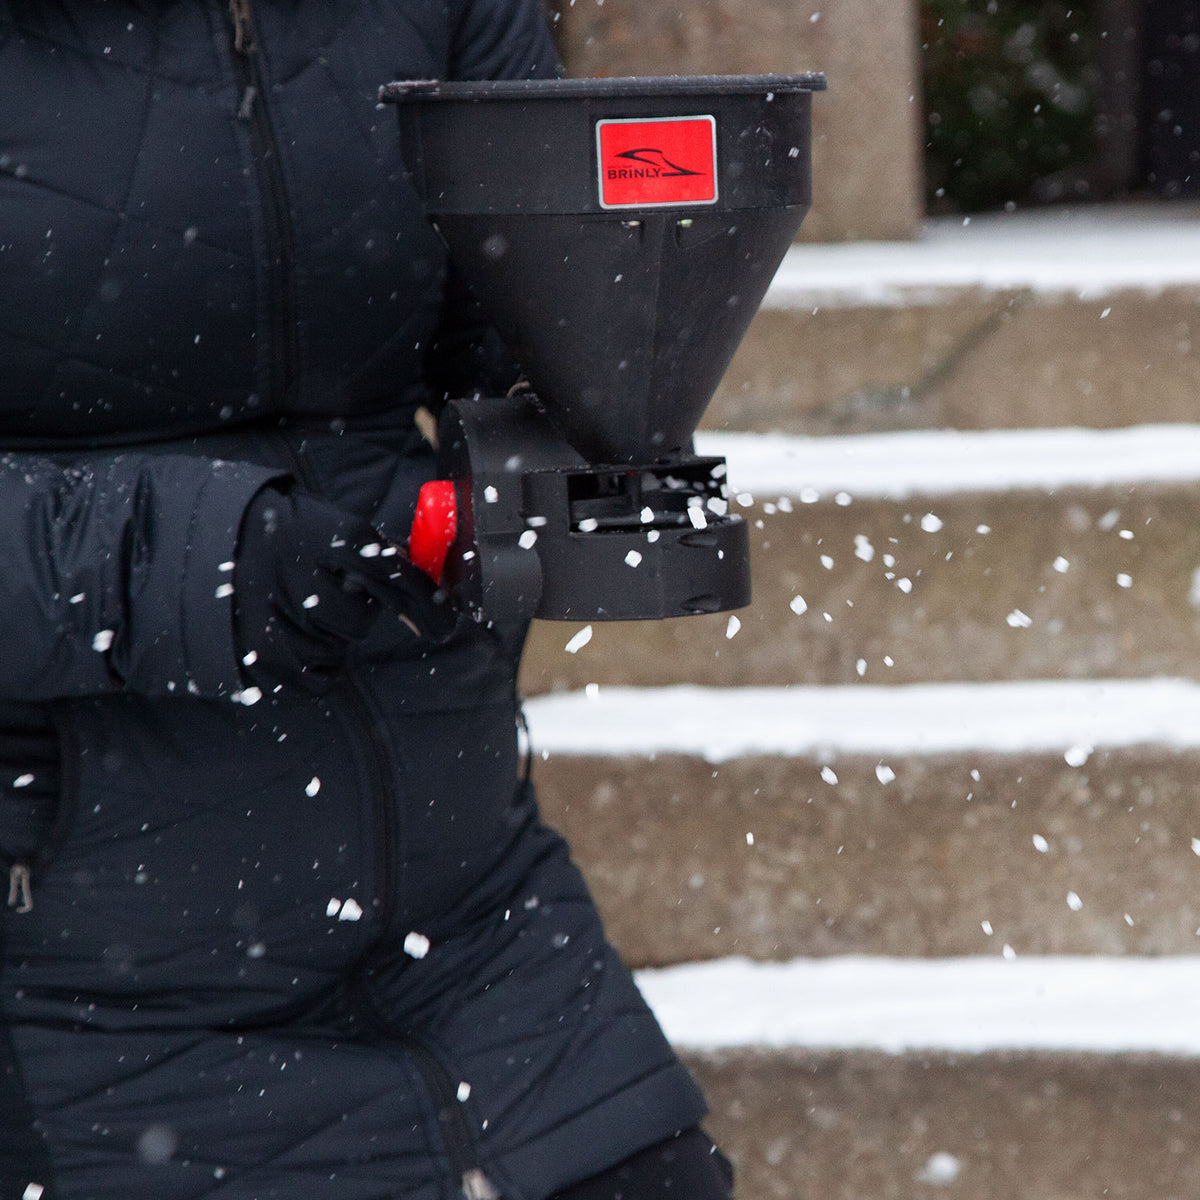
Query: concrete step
(1047, 318)
(933, 556)
(883, 792)
(801, 1125)
(979, 1079)
(941, 820)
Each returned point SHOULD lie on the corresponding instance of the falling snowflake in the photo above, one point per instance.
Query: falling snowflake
(941, 1169)
(1076, 756)
(580, 640)
(416, 945)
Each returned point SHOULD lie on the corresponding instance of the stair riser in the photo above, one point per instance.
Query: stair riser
(861, 1126)
(979, 605)
(969, 360)
(913, 866)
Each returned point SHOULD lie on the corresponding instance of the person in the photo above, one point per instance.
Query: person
(282, 919)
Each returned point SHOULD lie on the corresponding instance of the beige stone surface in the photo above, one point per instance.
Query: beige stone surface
(866, 128)
(912, 866)
(859, 1126)
(971, 360)
(1021, 585)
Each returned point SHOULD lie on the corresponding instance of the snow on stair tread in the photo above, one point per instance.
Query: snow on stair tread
(1088, 253)
(898, 465)
(971, 1005)
(1048, 716)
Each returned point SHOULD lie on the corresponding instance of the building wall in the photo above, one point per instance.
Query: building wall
(866, 128)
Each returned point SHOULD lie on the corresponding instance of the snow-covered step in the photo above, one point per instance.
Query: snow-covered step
(897, 466)
(1071, 718)
(1051, 318)
(1086, 253)
(1084, 1004)
(904, 557)
(935, 820)
(984, 1077)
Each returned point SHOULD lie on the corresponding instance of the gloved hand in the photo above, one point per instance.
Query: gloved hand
(311, 580)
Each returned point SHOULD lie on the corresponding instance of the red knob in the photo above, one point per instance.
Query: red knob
(434, 528)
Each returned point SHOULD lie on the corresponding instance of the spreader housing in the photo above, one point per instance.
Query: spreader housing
(620, 234)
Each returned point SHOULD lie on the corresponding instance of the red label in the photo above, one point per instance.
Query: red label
(657, 161)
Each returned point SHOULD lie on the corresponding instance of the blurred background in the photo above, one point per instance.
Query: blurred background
(908, 851)
(944, 105)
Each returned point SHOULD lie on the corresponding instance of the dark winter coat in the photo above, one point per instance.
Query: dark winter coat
(314, 947)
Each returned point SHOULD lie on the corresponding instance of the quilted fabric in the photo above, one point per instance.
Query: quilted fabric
(138, 292)
(282, 945)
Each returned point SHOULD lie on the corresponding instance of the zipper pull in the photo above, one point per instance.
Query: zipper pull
(243, 35)
(20, 894)
(477, 1186)
(246, 108)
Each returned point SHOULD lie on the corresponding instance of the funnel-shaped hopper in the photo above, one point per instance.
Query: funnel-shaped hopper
(620, 233)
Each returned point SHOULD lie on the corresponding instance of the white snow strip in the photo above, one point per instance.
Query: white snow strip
(717, 724)
(1088, 253)
(897, 465)
(967, 1005)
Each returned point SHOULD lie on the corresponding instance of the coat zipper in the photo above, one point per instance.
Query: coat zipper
(284, 344)
(385, 802)
(285, 359)
(473, 1181)
(383, 795)
(285, 355)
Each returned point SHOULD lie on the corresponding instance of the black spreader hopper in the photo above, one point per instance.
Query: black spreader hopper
(620, 234)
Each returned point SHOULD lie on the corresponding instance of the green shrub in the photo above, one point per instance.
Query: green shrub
(1010, 100)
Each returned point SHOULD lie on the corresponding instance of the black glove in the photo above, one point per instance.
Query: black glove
(311, 580)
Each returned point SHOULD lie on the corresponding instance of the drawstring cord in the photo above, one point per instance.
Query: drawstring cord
(20, 894)
(243, 35)
(243, 44)
(477, 1186)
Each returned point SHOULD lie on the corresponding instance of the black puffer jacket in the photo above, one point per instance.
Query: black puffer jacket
(313, 946)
